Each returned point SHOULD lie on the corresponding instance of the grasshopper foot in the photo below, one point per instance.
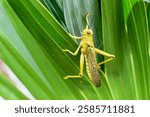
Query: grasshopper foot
(112, 56)
(73, 76)
(66, 77)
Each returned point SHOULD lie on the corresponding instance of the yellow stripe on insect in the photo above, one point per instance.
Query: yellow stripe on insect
(88, 53)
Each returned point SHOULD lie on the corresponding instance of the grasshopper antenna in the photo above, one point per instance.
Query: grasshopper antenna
(87, 22)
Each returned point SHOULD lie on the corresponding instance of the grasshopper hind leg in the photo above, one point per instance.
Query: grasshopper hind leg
(111, 57)
(81, 69)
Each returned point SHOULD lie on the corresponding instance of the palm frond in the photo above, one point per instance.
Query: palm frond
(36, 31)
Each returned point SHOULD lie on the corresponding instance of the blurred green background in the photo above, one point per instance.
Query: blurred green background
(33, 32)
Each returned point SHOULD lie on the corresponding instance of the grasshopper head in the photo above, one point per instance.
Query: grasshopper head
(87, 32)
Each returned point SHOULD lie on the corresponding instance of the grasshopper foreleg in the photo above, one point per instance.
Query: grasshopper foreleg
(75, 37)
(75, 53)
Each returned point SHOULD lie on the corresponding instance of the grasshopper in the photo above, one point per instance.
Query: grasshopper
(88, 54)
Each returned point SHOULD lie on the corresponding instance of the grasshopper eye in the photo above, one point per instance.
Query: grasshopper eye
(88, 32)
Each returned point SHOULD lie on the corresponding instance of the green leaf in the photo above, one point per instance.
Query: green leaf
(8, 90)
(139, 36)
(47, 34)
(31, 46)
(147, 1)
(56, 8)
(129, 42)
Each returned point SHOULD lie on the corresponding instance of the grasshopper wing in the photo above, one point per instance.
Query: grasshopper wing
(92, 68)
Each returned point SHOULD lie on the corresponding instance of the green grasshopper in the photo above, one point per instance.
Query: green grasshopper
(88, 54)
